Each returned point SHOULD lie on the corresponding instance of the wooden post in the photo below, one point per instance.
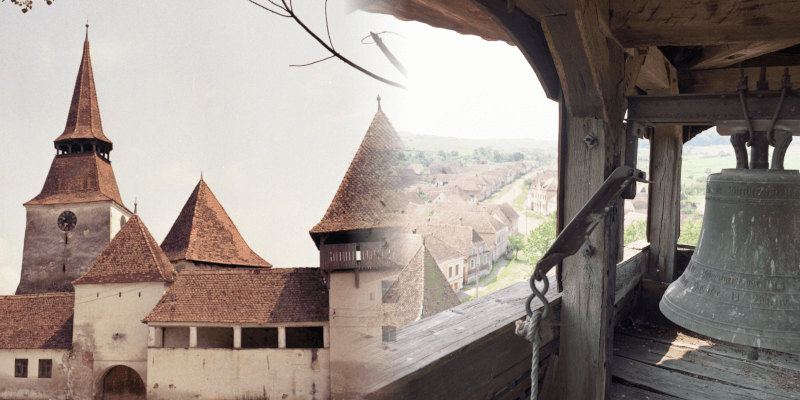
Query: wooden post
(663, 217)
(595, 74)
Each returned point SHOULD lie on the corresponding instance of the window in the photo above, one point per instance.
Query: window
(457, 269)
(21, 368)
(385, 285)
(259, 338)
(45, 368)
(389, 333)
(450, 272)
(305, 338)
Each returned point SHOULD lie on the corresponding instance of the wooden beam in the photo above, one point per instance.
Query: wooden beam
(639, 23)
(527, 34)
(725, 80)
(595, 74)
(726, 55)
(655, 71)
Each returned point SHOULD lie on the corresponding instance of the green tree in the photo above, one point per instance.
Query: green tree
(540, 239)
(690, 231)
(454, 153)
(442, 155)
(516, 242)
(635, 231)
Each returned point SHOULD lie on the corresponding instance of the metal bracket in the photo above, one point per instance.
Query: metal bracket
(590, 140)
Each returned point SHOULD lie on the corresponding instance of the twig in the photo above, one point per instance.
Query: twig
(311, 63)
(270, 10)
(331, 50)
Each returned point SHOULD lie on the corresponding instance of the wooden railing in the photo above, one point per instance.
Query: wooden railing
(471, 352)
(365, 255)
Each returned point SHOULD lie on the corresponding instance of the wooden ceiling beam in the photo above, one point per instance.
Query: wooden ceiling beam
(640, 23)
(726, 55)
(656, 71)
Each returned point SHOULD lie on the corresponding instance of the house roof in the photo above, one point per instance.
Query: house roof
(420, 290)
(37, 321)
(204, 232)
(131, 256)
(440, 251)
(244, 295)
(361, 201)
(83, 120)
(78, 178)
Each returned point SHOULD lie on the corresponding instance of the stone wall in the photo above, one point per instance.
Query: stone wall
(52, 258)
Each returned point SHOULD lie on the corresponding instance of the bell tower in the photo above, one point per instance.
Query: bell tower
(79, 209)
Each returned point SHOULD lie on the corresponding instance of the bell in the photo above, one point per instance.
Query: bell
(742, 284)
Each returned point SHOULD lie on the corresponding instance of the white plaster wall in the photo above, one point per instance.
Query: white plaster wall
(33, 387)
(47, 248)
(108, 327)
(117, 215)
(355, 318)
(228, 373)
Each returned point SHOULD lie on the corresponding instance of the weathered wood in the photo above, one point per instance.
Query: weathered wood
(765, 379)
(595, 73)
(655, 73)
(631, 269)
(680, 385)
(624, 392)
(663, 215)
(725, 80)
(549, 388)
(726, 55)
(639, 23)
(527, 34)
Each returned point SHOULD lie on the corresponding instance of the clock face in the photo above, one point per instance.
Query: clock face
(67, 221)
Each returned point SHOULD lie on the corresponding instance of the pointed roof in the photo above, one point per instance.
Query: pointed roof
(132, 256)
(203, 232)
(80, 178)
(83, 120)
(362, 199)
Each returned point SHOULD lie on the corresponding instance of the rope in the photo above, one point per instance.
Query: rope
(530, 330)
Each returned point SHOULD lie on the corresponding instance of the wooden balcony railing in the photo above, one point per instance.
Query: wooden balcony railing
(365, 255)
(471, 352)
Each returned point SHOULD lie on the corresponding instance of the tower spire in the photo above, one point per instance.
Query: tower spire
(84, 130)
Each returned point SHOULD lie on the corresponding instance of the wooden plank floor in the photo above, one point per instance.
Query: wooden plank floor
(655, 361)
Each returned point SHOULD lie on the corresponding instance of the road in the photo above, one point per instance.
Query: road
(526, 223)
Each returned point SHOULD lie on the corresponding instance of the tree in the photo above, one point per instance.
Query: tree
(690, 231)
(454, 153)
(540, 239)
(27, 4)
(442, 155)
(516, 242)
(635, 231)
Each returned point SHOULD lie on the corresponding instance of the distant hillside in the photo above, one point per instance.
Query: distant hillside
(706, 138)
(467, 146)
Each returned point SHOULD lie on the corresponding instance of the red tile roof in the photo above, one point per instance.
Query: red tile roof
(83, 120)
(79, 178)
(362, 201)
(132, 256)
(203, 232)
(239, 296)
(36, 321)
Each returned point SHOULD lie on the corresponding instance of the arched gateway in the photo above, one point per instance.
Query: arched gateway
(123, 383)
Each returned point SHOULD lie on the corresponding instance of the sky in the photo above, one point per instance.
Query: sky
(206, 86)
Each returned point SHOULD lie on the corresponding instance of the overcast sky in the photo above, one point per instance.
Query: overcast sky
(185, 87)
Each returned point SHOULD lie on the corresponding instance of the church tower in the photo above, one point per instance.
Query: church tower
(79, 209)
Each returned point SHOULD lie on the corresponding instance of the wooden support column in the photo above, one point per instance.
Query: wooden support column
(595, 74)
(663, 217)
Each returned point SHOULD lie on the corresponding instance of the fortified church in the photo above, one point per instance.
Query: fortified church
(102, 311)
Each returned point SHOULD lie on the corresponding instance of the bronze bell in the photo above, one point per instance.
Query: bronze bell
(742, 284)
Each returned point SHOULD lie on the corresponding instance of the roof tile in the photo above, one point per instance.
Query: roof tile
(204, 232)
(238, 296)
(132, 256)
(37, 321)
(78, 178)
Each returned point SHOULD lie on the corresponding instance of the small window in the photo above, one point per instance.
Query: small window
(450, 272)
(305, 338)
(456, 269)
(21, 368)
(389, 333)
(385, 285)
(371, 296)
(45, 368)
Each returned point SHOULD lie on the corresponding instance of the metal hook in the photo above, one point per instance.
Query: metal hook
(540, 295)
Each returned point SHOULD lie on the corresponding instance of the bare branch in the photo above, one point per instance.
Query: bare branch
(336, 54)
(327, 25)
(270, 10)
(311, 63)
(389, 54)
